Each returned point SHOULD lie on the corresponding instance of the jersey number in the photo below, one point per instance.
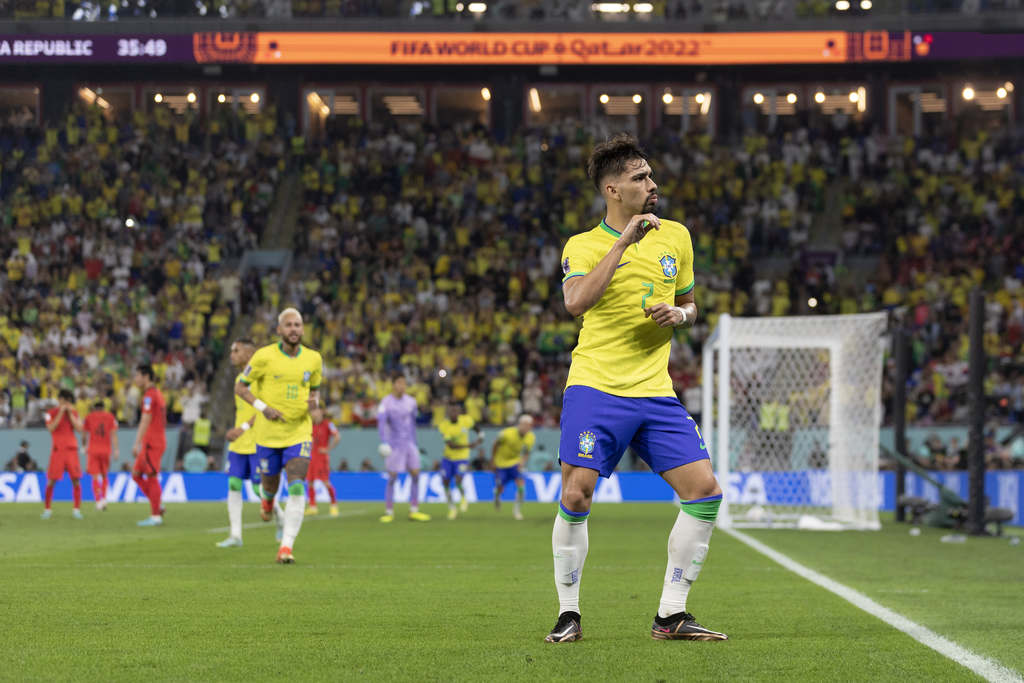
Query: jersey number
(650, 291)
(292, 392)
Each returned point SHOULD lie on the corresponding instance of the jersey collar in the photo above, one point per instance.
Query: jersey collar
(280, 347)
(610, 230)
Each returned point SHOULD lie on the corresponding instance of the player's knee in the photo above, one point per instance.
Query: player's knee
(234, 484)
(576, 499)
(704, 487)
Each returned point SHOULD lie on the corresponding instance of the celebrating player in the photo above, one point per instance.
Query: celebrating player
(396, 423)
(242, 462)
(286, 374)
(62, 421)
(150, 442)
(631, 278)
(457, 446)
(508, 457)
(325, 438)
(101, 441)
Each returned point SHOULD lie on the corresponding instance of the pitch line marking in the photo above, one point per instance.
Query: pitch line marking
(988, 669)
(270, 525)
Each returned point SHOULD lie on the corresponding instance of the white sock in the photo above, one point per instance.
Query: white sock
(235, 513)
(687, 548)
(569, 543)
(294, 510)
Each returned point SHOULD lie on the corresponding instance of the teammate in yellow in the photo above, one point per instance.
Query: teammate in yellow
(508, 458)
(242, 461)
(287, 377)
(631, 279)
(455, 429)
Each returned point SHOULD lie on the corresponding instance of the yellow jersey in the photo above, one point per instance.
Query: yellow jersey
(283, 382)
(457, 432)
(246, 443)
(620, 351)
(513, 447)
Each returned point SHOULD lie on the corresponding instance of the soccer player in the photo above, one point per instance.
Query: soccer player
(457, 447)
(631, 279)
(287, 375)
(508, 456)
(325, 438)
(242, 462)
(100, 430)
(396, 424)
(150, 443)
(62, 421)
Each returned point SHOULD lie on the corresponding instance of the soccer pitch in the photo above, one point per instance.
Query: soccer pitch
(472, 599)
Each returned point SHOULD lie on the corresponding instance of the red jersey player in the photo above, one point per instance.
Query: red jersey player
(150, 442)
(62, 421)
(101, 432)
(325, 437)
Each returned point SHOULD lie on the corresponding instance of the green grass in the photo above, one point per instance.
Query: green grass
(472, 599)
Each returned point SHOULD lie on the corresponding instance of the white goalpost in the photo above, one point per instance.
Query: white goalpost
(791, 410)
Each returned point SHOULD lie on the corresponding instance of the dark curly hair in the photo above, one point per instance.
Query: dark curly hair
(611, 157)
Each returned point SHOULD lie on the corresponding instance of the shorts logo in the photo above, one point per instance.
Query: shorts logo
(668, 265)
(587, 443)
(305, 377)
(565, 265)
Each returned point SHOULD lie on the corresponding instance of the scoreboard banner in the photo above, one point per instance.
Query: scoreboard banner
(535, 48)
(1005, 489)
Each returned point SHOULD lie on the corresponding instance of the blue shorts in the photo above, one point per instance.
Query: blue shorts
(453, 469)
(504, 475)
(244, 466)
(272, 460)
(597, 427)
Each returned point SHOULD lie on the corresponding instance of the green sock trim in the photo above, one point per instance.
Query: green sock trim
(234, 484)
(572, 519)
(296, 489)
(706, 511)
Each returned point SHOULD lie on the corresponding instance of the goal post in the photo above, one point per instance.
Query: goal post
(791, 411)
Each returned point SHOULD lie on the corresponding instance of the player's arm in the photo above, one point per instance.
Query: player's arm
(494, 453)
(76, 421)
(314, 387)
(246, 395)
(581, 292)
(52, 422)
(682, 314)
(236, 432)
(140, 432)
(383, 425)
(335, 437)
(479, 438)
(114, 446)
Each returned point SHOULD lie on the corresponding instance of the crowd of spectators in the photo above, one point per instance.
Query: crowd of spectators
(114, 243)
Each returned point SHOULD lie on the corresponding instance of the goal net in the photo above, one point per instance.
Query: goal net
(791, 414)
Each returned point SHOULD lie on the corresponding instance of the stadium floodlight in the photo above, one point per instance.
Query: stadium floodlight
(129, 222)
(477, 7)
(968, 93)
(791, 98)
(191, 97)
(643, 7)
(609, 7)
(819, 97)
(637, 98)
(603, 99)
(459, 7)
(667, 98)
(854, 97)
(699, 98)
(791, 414)
(842, 5)
(158, 98)
(254, 98)
(866, 5)
(1009, 86)
(534, 100)
(758, 98)
(1001, 93)
(485, 93)
(442, 373)
(812, 302)
(222, 98)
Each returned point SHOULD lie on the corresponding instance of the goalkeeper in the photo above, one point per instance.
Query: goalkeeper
(396, 422)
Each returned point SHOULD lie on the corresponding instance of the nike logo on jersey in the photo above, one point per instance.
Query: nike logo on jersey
(622, 264)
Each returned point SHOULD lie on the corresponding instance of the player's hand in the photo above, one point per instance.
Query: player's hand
(312, 404)
(664, 315)
(638, 226)
(273, 414)
(233, 433)
(136, 449)
(384, 450)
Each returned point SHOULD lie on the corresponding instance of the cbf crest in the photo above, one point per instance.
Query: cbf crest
(305, 377)
(587, 443)
(668, 265)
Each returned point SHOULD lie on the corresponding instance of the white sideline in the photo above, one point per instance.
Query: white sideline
(988, 669)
